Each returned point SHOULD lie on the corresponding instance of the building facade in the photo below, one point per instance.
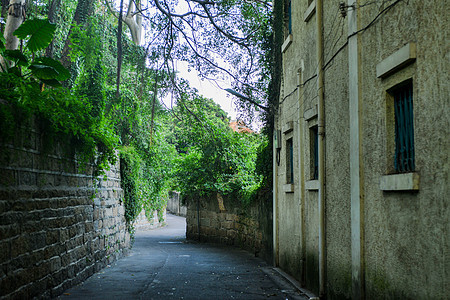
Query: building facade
(361, 149)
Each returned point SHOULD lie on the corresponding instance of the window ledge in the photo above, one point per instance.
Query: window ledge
(288, 188)
(288, 127)
(287, 43)
(397, 60)
(310, 11)
(310, 113)
(312, 185)
(400, 182)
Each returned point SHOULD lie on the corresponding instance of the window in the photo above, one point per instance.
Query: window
(289, 161)
(404, 129)
(288, 18)
(314, 150)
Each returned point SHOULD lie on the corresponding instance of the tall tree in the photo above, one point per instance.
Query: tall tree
(133, 18)
(84, 9)
(52, 15)
(16, 16)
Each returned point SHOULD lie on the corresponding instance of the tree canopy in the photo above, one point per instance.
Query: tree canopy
(71, 67)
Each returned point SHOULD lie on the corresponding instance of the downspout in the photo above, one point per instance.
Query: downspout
(321, 146)
(301, 177)
(275, 205)
(356, 163)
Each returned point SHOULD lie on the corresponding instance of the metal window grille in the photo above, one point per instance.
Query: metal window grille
(404, 130)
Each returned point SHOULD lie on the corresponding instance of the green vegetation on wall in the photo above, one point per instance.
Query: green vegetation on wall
(188, 147)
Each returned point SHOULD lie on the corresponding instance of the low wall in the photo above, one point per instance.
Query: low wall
(226, 221)
(57, 225)
(144, 223)
(175, 205)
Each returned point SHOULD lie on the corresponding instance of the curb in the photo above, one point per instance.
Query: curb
(277, 272)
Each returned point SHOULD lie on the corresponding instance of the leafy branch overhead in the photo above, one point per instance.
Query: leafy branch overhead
(224, 41)
(39, 34)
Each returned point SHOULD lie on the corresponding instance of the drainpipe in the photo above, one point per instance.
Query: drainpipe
(301, 177)
(275, 205)
(356, 163)
(321, 132)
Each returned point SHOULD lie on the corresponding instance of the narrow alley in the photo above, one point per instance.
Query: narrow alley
(163, 265)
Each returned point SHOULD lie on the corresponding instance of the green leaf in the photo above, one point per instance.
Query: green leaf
(40, 31)
(51, 82)
(43, 71)
(17, 56)
(63, 73)
(2, 42)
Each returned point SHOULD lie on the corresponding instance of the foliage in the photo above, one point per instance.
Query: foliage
(131, 175)
(215, 159)
(191, 148)
(62, 112)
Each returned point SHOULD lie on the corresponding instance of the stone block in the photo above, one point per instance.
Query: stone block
(37, 240)
(205, 222)
(19, 245)
(55, 264)
(227, 225)
(8, 178)
(9, 230)
(5, 251)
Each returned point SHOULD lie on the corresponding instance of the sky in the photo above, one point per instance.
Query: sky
(208, 89)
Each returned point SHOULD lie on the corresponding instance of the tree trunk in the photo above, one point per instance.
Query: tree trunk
(16, 15)
(84, 9)
(133, 19)
(119, 51)
(52, 14)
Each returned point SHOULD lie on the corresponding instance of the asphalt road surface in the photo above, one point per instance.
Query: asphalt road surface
(163, 265)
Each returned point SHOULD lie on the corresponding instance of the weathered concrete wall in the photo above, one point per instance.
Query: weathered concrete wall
(175, 204)
(402, 252)
(406, 252)
(57, 225)
(226, 221)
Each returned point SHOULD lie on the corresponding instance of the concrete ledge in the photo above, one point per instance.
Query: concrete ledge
(400, 182)
(288, 127)
(397, 60)
(288, 188)
(310, 11)
(310, 113)
(287, 43)
(312, 185)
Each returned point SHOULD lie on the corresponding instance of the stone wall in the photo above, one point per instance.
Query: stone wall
(175, 204)
(144, 223)
(57, 225)
(227, 221)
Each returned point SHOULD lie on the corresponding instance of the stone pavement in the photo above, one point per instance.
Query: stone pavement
(163, 265)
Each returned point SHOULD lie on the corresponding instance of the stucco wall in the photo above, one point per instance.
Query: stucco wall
(57, 225)
(403, 251)
(405, 244)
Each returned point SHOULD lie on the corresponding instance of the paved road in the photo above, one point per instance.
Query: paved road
(163, 265)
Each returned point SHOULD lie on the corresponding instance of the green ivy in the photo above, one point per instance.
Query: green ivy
(30, 87)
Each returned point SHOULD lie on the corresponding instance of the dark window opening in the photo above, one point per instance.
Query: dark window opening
(404, 160)
(314, 152)
(289, 162)
(288, 18)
